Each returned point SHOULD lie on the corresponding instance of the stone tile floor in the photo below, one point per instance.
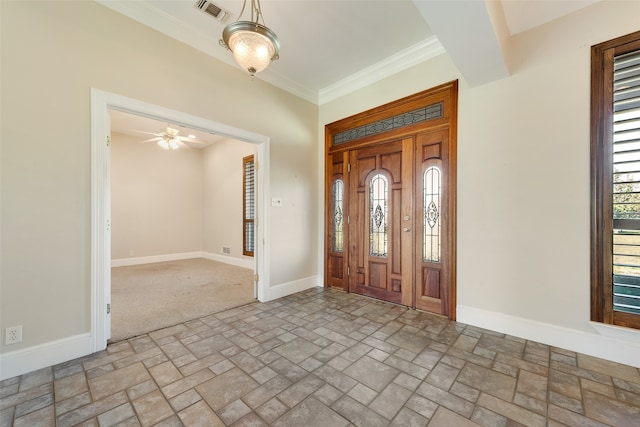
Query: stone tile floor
(325, 358)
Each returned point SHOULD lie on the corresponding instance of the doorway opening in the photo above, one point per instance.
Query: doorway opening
(102, 103)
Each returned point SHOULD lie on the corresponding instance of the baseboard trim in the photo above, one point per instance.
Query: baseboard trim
(41, 356)
(621, 349)
(284, 289)
(238, 262)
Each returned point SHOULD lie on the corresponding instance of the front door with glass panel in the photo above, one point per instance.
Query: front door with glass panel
(380, 190)
(390, 211)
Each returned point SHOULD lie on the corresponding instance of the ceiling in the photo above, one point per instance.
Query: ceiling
(332, 47)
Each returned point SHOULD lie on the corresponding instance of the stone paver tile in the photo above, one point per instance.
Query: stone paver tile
(361, 371)
(118, 380)
(91, 410)
(446, 418)
(357, 413)
(465, 392)
(234, 411)
(36, 378)
(570, 418)
(297, 350)
(250, 420)
(209, 345)
(327, 394)
(311, 413)
(247, 362)
(289, 370)
(407, 367)
(532, 385)
(200, 364)
(266, 391)
(263, 375)
(356, 352)
(610, 411)
(116, 415)
(41, 417)
(152, 408)
(25, 396)
(607, 367)
(408, 341)
(32, 405)
(70, 386)
(408, 418)
(329, 352)
(487, 418)
(536, 405)
(566, 384)
(165, 373)
(446, 399)
(73, 403)
(566, 402)
(186, 383)
(225, 388)
(501, 345)
(511, 411)
(184, 400)
(300, 390)
(494, 383)
(141, 389)
(522, 364)
(310, 364)
(272, 410)
(407, 381)
(362, 394)
(200, 415)
(442, 376)
(336, 378)
(389, 402)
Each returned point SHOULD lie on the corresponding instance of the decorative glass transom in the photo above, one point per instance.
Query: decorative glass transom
(419, 115)
(432, 223)
(338, 216)
(378, 202)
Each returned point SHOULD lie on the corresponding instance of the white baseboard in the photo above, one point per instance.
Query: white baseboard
(238, 262)
(617, 346)
(284, 289)
(40, 356)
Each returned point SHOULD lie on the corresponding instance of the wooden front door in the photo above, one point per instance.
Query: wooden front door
(380, 196)
(390, 211)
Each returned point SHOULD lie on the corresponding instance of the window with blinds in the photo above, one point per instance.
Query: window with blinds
(626, 182)
(615, 181)
(249, 206)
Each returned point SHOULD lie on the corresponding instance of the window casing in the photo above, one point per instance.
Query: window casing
(615, 181)
(248, 205)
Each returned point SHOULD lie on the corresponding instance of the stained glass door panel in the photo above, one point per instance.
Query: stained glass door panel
(379, 187)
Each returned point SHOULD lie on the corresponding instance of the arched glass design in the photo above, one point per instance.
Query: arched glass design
(378, 212)
(338, 216)
(432, 221)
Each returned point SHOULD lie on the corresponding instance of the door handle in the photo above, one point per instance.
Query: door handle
(407, 229)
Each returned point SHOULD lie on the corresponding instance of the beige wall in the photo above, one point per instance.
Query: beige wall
(523, 176)
(156, 199)
(222, 180)
(52, 54)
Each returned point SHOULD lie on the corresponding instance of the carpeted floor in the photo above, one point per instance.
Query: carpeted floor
(148, 297)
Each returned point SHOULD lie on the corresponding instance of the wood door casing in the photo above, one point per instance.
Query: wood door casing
(376, 264)
(410, 123)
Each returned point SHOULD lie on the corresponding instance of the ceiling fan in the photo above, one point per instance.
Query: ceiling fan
(169, 138)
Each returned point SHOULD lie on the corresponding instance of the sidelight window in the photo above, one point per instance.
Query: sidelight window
(378, 212)
(249, 206)
(432, 222)
(338, 216)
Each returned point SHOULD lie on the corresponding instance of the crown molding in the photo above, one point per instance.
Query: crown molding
(153, 17)
(413, 55)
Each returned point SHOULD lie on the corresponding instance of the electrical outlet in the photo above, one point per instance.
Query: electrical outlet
(226, 250)
(13, 335)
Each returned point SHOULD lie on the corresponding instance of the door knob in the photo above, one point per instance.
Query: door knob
(406, 229)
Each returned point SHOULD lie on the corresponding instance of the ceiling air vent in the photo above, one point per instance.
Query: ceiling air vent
(212, 9)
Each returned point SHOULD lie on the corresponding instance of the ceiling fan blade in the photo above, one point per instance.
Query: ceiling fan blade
(152, 139)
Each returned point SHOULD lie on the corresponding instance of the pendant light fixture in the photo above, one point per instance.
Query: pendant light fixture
(253, 45)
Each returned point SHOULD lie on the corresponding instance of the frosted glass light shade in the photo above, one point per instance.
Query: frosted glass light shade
(253, 45)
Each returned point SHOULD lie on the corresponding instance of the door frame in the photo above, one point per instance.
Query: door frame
(360, 135)
(101, 103)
